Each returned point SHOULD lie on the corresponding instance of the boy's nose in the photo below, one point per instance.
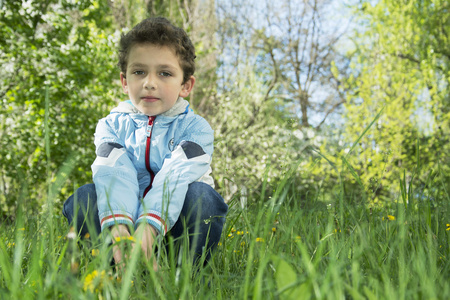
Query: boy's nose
(150, 83)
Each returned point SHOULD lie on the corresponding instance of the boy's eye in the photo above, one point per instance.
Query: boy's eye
(139, 72)
(165, 74)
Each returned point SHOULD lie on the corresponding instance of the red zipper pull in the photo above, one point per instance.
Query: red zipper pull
(150, 125)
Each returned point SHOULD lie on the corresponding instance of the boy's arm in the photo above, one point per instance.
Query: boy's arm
(188, 162)
(115, 177)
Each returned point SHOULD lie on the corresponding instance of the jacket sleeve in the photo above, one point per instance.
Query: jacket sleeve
(115, 177)
(188, 162)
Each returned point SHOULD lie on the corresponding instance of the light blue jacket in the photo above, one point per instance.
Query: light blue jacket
(180, 146)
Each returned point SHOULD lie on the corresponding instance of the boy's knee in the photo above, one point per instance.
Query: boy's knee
(203, 195)
(82, 205)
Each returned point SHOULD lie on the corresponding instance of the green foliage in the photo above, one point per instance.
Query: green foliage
(400, 62)
(254, 140)
(63, 48)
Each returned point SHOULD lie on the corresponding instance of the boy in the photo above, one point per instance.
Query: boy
(153, 153)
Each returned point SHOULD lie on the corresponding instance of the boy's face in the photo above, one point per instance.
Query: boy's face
(154, 79)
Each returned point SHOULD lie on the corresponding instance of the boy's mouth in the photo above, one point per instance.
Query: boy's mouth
(149, 99)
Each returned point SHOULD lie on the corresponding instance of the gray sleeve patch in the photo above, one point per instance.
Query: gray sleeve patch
(192, 149)
(105, 149)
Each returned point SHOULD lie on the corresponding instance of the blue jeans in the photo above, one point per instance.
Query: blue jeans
(202, 216)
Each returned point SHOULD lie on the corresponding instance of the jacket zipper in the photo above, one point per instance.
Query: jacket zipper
(147, 153)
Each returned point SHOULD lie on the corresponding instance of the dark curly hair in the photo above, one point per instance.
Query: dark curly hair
(159, 31)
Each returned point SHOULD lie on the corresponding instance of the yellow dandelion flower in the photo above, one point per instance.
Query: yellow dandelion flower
(131, 238)
(298, 238)
(219, 244)
(242, 244)
(259, 240)
(230, 235)
(93, 281)
(240, 232)
(11, 244)
(21, 229)
(87, 235)
(95, 252)
(274, 229)
(391, 218)
(236, 251)
(233, 230)
(448, 227)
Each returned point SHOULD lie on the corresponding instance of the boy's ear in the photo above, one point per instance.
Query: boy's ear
(124, 82)
(187, 87)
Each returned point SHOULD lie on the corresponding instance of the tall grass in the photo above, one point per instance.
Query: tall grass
(281, 247)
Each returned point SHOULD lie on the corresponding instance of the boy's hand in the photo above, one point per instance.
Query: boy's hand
(119, 232)
(147, 234)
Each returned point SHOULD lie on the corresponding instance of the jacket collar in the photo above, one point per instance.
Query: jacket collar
(181, 106)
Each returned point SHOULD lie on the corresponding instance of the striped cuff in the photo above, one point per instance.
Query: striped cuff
(107, 221)
(153, 218)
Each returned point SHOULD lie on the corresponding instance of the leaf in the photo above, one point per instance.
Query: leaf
(287, 283)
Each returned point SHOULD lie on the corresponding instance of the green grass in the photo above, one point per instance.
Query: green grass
(279, 248)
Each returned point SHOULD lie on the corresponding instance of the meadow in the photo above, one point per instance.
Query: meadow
(279, 247)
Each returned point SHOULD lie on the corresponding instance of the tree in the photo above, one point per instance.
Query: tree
(402, 63)
(296, 49)
(57, 74)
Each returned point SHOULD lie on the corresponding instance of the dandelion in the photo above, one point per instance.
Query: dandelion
(95, 252)
(259, 240)
(233, 230)
(230, 235)
(21, 229)
(274, 229)
(87, 235)
(219, 244)
(94, 281)
(389, 217)
(242, 244)
(240, 232)
(336, 230)
(124, 238)
(448, 227)
(11, 244)
(298, 238)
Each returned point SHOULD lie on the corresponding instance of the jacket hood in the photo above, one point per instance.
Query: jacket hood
(127, 107)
